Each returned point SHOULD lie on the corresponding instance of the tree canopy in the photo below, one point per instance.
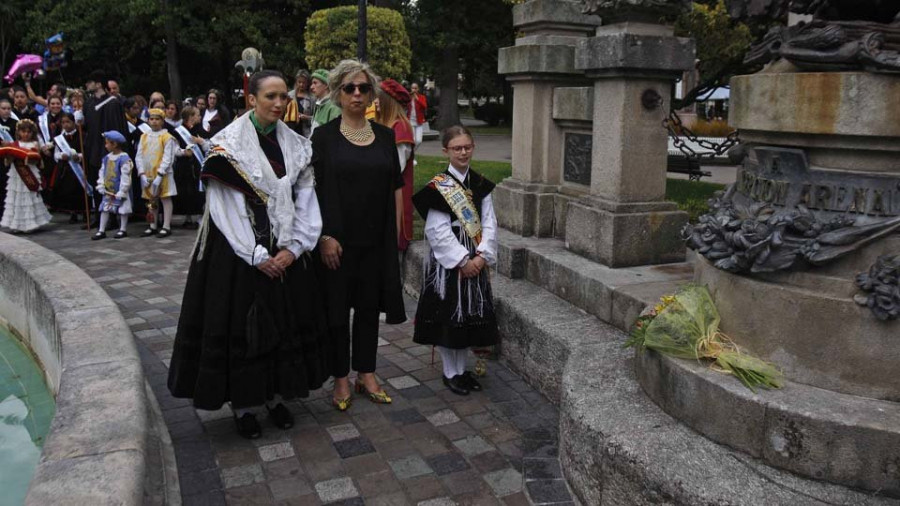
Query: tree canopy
(331, 37)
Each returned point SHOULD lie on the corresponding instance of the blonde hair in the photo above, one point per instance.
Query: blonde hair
(348, 68)
(389, 110)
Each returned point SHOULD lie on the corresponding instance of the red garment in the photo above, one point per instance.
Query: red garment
(404, 135)
(421, 106)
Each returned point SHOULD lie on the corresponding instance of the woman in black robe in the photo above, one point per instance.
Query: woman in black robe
(359, 187)
(252, 325)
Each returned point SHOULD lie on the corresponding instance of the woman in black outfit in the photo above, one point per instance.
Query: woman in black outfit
(252, 325)
(216, 116)
(358, 185)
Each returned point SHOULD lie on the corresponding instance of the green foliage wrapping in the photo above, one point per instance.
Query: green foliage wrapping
(331, 37)
(688, 327)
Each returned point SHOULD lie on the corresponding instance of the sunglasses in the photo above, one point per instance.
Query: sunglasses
(363, 88)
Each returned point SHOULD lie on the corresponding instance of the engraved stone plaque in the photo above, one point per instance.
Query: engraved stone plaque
(577, 158)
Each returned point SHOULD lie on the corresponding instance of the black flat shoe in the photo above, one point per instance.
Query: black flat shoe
(281, 416)
(163, 233)
(148, 232)
(247, 426)
(470, 382)
(120, 234)
(98, 236)
(456, 385)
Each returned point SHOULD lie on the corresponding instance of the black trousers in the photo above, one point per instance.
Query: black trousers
(356, 285)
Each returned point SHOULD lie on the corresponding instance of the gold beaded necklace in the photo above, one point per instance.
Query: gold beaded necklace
(358, 135)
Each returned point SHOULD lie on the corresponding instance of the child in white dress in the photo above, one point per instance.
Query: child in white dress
(24, 209)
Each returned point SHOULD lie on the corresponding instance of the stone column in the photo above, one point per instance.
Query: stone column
(542, 59)
(625, 220)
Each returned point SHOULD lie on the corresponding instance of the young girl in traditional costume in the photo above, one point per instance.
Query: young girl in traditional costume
(456, 309)
(393, 101)
(154, 160)
(114, 184)
(24, 209)
(188, 158)
(67, 180)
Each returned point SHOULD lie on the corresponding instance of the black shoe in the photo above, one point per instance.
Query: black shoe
(163, 233)
(456, 384)
(281, 416)
(120, 234)
(247, 426)
(148, 232)
(98, 236)
(470, 382)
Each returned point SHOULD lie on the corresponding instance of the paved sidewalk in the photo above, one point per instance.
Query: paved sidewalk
(429, 447)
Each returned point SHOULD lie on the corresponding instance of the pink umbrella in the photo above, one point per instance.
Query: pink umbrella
(22, 64)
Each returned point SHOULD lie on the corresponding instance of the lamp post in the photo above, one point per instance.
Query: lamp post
(361, 33)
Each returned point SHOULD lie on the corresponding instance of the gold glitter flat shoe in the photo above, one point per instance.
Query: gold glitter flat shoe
(379, 397)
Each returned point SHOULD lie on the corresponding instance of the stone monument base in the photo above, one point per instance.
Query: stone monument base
(625, 235)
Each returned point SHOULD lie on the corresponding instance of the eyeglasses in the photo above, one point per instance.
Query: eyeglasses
(363, 88)
(468, 148)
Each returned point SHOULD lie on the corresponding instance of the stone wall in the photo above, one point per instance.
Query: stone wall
(97, 448)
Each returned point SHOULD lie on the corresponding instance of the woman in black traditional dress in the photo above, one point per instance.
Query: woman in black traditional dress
(252, 326)
(359, 188)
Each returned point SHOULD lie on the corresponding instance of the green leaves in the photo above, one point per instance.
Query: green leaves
(331, 37)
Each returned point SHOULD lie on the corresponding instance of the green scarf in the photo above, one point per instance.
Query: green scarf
(265, 131)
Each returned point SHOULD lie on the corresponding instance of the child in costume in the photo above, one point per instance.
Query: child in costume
(24, 209)
(456, 309)
(114, 184)
(67, 183)
(155, 163)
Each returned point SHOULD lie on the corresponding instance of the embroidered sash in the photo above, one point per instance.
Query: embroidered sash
(43, 121)
(21, 157)
(460, 201)
(186, 137)
(64, 147)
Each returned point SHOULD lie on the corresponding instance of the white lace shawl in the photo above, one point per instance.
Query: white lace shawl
(240, 141)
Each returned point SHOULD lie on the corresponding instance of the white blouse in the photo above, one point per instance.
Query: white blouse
(228, 209)
(446, 247)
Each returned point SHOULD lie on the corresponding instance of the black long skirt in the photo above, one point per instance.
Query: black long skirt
(66, 192)
(460, 315)
(242, 337)
(190, 200)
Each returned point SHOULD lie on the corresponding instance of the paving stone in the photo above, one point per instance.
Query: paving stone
(504, 482)
(401, 382)
(542, 469)
(462, 482)
(424, 487)
(343, 432)
(406, 416)
(336, 489)
(490, 461)
(440, 501)
(365, 465)
(248, 495)
(276, 451)
(548, 491)
(288, 468)
(519, 499)
(473, 445)
(539, 449)
(393, 499)
(457, 430)
(287, 488)
(353, 447)
(322, 470)
(443, 417)
(419, 392)
(409, 467)
(378, 484)
(447, 463)
(242, 475)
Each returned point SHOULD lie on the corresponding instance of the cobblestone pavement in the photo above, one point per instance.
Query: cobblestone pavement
(429, 447)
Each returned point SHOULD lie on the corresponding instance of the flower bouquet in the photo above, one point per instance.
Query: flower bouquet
(686, 325)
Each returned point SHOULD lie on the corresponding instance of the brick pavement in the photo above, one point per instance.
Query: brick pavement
(428, 448)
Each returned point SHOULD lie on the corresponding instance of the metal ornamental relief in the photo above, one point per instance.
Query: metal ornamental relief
(842, 35)
(577, 158)
(780, 212)
(880, 288)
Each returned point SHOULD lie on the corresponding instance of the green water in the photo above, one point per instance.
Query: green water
(26, 410)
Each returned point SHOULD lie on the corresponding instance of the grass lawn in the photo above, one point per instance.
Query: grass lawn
(691, 196)
(491, 130)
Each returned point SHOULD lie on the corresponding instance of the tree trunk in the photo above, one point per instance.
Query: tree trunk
(448, 83)
(172, 54)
